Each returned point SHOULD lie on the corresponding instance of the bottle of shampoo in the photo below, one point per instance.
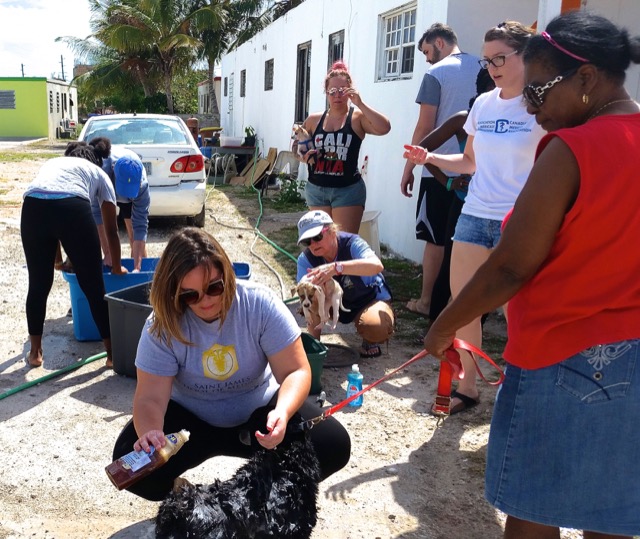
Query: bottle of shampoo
(354, 384)
(133, 466)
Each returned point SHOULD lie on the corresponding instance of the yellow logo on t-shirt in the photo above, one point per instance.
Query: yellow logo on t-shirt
(220, 362)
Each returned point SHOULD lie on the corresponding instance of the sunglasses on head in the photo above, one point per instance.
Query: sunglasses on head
(315, 239)
(535, 95)
(191, 297)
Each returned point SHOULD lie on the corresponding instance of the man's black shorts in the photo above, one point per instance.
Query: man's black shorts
(432, 211)
(125, 209)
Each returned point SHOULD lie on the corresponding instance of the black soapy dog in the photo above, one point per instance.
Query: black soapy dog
(273, 495)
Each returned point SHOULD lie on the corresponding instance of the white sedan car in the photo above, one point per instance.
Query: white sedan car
(171, 157)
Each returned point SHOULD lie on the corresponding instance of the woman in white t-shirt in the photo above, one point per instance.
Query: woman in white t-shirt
(499, 153)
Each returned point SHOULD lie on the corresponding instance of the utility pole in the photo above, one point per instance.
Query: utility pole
(62, 64)
(22, 68)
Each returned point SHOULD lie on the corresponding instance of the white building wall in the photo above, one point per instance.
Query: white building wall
(64, 99)
(625, 13)
(271, 113)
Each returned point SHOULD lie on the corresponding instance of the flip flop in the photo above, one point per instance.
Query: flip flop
(370, 350)
(412, 306)
(466, 403)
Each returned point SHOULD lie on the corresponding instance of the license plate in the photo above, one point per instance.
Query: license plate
(147, 168)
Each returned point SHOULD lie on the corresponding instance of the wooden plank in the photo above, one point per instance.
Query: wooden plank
(261, 168)
(271, 156)
(247, 169)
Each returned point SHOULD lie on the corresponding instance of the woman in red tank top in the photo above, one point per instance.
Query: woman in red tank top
(563, 446)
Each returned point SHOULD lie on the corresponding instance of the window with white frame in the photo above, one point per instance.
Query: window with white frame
(397, 43)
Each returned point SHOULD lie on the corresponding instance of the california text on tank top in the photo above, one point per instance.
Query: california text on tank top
(336, 163)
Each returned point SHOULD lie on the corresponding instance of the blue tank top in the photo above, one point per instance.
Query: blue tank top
(336, 163)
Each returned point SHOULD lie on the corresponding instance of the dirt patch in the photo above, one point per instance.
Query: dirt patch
(407, 478)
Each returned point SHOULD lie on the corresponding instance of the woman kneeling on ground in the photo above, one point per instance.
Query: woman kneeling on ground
(332, 254)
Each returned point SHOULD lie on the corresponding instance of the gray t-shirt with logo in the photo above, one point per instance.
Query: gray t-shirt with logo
(224, 376)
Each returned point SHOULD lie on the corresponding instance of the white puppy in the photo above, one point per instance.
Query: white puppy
(320, 304)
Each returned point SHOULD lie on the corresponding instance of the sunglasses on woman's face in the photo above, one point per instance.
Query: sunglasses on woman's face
(535, 95)
(315, 239)
(191, 297)
(339, 91)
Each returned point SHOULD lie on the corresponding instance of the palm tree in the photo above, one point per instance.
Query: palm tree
(242, 20)
(158, 30)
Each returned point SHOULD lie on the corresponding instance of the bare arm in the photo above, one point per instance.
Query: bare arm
(462, 163)
(110, 223)
(292, 371)
(362, 267)
(425, 124)
(137, 253)
(525, 244)
(149, 407)
(452, 127)
(371, 121)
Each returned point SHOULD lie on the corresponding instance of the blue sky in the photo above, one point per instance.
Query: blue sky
(28, 29)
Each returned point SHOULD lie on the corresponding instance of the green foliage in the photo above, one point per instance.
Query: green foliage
(249, 131)
(289, 197)
(405, 281)
(185, 91)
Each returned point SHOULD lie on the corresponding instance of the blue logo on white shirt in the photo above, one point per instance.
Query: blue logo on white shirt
(502, 126)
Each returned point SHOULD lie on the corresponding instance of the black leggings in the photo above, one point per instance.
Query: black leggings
(330, 440)
(68, 220)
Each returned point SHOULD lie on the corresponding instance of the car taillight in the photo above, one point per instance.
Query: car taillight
(188, 163)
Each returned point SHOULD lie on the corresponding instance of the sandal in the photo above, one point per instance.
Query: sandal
(413, 307)
(370, 350)
(466, 403)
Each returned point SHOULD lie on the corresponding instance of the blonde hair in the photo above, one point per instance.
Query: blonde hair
(186, 250)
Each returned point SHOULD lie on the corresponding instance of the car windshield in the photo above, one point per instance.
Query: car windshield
(138, 131)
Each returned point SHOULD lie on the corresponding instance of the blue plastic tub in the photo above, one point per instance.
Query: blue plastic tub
(128, 312)
(84, 328)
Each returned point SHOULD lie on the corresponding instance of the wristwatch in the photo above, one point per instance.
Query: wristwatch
(338, 267)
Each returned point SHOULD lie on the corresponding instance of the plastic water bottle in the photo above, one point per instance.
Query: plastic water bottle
(354, 384)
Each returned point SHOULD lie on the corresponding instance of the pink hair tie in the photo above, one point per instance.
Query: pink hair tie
(561, 48)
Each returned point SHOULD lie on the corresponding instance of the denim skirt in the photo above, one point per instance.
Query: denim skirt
(564, 446)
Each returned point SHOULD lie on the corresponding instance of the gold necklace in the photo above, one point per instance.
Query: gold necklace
(607, 105)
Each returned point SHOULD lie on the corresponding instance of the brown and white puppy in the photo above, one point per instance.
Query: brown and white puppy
(303, 140)
(320, 304)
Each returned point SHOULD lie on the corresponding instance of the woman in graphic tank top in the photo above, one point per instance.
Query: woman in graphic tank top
(332, 151)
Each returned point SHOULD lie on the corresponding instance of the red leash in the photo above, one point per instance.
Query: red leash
(450, 369)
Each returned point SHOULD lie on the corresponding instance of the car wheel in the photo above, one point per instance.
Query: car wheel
(197, 220)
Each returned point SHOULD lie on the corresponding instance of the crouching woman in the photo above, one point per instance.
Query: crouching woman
(213, 352)
(347, 258)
